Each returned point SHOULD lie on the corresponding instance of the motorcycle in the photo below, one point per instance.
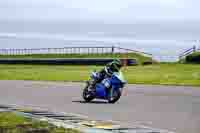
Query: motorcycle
(115, 84)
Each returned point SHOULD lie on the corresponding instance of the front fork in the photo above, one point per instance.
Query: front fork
(91, 85)
(110, 92)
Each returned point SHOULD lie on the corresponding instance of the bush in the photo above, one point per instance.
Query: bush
(193, 58)
(147, 63)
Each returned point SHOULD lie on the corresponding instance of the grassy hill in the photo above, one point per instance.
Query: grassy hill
(139, 57)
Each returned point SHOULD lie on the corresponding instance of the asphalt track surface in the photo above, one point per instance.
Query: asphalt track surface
(167, 107)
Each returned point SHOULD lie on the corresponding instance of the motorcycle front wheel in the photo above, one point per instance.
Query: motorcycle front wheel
(87, 95)
(116, 94)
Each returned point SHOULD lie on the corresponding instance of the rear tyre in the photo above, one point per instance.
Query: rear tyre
(87, 95)
(115, 96)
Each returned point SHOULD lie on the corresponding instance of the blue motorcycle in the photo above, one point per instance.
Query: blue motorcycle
(109, 89)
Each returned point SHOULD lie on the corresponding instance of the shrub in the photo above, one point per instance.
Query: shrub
(193, 58)
(147, 63)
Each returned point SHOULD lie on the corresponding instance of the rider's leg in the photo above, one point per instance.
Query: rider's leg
(100, 77)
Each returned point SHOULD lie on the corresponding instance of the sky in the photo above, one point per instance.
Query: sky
(175, 19)
(102, 10)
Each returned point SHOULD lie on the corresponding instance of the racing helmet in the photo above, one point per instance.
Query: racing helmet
(116, 65)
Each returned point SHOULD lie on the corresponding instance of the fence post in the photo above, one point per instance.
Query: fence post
(92, 50)
(194, 48)
(71, 49)
(7, 51)
(113, 49)
(74, 50)
(97, 51)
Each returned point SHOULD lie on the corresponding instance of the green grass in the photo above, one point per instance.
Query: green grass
(12, 123)
(10, 119)
(166, 74)
(139, 57)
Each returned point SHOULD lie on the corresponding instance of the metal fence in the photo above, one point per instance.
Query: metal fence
(188, 52)
(65, 50)
(71, 50)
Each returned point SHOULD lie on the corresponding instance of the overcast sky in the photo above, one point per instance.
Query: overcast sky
(110, 10)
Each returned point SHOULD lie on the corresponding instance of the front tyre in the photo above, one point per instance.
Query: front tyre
(116, 94)
(87, 95)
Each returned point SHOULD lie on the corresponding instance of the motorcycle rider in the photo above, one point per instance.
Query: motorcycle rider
(107, 71)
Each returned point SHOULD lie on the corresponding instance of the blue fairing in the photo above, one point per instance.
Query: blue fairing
(116, 83)
(101, 89)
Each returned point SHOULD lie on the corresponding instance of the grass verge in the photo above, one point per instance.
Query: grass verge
(164, 74)
(12, 123)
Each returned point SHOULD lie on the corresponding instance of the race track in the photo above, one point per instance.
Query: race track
(167, 107)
